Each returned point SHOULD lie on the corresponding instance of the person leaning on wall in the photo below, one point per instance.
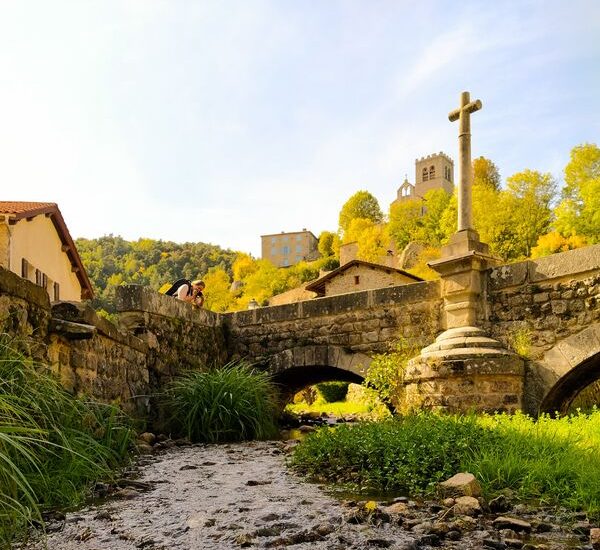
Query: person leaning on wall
(193, 294)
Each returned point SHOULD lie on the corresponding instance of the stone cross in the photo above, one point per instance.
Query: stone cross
(463, 115)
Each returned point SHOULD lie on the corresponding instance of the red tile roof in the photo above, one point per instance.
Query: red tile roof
(18, 210)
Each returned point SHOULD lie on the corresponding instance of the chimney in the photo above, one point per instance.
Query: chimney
(348, 252)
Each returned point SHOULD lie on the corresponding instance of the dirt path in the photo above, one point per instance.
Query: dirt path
(219, 497)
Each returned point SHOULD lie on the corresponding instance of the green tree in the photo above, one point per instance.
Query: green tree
(405, 219)
(326, 243)
(373, 239)
(579, 211)
(218, 296)
(529, 200)
(486, 172)
(360, 205)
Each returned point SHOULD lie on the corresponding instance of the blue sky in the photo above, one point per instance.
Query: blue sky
(220, 121)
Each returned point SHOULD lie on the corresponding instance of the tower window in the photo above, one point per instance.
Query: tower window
(56, 292)
(432, 172)
(424, 174)
(24, 268)
(356, 279)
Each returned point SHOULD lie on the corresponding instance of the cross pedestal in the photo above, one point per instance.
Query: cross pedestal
(464, 369)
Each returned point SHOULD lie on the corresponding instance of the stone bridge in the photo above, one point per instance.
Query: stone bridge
(547, 309)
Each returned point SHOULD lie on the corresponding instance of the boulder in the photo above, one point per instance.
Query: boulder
(462, 484)
(467, 506)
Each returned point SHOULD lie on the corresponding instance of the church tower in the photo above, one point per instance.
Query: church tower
(434, 171)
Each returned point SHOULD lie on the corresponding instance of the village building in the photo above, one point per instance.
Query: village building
(355, 275)
(35, 244)
(286, 249)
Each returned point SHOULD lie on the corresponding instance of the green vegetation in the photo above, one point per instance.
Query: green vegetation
(554, 461)
(52, 446)
(231, 403)
(333, 391)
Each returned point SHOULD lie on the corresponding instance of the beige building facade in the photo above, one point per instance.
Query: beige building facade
(434, 171)
(286, 249)
(35, 244)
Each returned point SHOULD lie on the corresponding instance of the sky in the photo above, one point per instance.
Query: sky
(220, 121)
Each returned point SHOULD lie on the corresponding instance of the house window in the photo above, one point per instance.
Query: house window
(273, 251)
(298, 238)
(56, 292)
(432, 172)
(44, 281)
(285, 250)
(356, 279)
(424, 174)
(38, 277)
(298, 259)
(24, 268)
(298, 248)
(285, 262)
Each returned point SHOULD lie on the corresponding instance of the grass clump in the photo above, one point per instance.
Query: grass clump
(52, 445)
(553, 461)
(231, 403)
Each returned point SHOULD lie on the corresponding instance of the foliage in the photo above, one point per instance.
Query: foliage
(579, 211)
(231, 403)
(421, 269)
(111, 261)
(485, 172)
(325, 246)
(52, 446)
(333, 391)
(519, 340)
(372, 238)
(555, 461)
(530, 196)
(386, 371)
(554, 242)
(360, 205)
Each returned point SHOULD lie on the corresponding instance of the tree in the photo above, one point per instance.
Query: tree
(326, 243)
(554, 242)
(486, 172)
(405, 218)
(579, 211)
(373, 239)
(360, 205)
(217, 293)
(529, 198)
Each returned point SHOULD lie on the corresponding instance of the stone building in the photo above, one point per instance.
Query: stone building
(434, 171)
(286, 249)
(35, 244)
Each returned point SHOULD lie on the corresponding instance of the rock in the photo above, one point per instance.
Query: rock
(513, 543)
(496, 544)
(244, 540)
(581, 528)
(423, 527)
(188, 467)
(324, 529)
(440, 528)
(429, 540)
(380, 543)
(452, 535)
(499, 504)
(398, 508)
(463, 524)
(147, 437)
(543, 527)
(463, 483)
(254, 482)
(143, 448)
(104, 515)
(518, 525)
(269, 517)
(467, 506)
(595, 538)
(448, 502)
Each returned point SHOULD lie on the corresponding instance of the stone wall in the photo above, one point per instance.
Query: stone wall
(361, 322)
(179, 337)
(368, 278)
(534, 305)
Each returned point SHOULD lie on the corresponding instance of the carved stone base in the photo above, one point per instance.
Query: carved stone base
(464, 370)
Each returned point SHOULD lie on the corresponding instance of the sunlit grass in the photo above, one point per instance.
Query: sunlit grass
(231, 403)
(52, 446)
(555, 461)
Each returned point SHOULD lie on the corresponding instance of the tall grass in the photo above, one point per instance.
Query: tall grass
(52, 445)
(555, 461)
(231, 403)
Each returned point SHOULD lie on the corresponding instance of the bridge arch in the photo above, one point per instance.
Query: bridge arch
(296, 368)
(569, 367)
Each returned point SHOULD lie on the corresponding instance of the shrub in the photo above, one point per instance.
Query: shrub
(231, 403)
(52, 445)
(333, 391)
(555, 461)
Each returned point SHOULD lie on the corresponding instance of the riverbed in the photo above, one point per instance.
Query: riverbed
(242, 495)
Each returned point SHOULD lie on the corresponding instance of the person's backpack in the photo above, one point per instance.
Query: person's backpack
(172, 290)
